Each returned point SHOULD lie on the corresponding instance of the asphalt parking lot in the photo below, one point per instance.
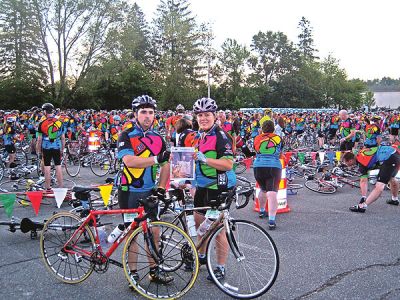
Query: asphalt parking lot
(326, 252)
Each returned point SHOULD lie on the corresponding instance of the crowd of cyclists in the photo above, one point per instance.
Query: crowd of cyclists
(142, 136)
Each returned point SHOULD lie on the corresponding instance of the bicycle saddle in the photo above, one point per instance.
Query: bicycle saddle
(84, 189)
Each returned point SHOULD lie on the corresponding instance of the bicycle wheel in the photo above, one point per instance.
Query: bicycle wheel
(2, 170)
(100, 164)
(240, 167)
(72, 164)
(253, 271)
(318, 186)
(21, 157)
(177, 259)
(69, 263)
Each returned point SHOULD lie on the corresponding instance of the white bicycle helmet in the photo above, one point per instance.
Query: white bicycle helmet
(180, 107)
(204, 105)
(143, 100)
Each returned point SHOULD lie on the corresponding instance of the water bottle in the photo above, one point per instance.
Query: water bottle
(191, 225)
(204, 226)
(102, 236)
(115, 233)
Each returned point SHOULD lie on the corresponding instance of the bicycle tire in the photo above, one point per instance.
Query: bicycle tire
(320, 187)
(21, 157)
(240, 167)
(176, 246)
(2, 170)
(259, 258)
(72, 164)
(99, 163)
(71, 267)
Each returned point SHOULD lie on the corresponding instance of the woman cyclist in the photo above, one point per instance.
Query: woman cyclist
(268, 169)
(214, 174)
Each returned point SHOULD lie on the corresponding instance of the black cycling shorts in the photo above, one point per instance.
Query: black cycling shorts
(346, 146)
(52, 154)
(10, 149)
(206, 197)
(389, 168)
(332, 133)
(131, 200)
(268, 178)
(394, 131)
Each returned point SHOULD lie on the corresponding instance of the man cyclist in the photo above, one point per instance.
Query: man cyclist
(388, 161)
(346, 131)
(142, 152)
(50, 143)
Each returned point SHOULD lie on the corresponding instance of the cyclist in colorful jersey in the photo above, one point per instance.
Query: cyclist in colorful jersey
(9, 134)
(170, 123)
(300, 124)
(267, 116)
(114, 131)
(142, 152)
(227, 127)
(372, 133)
(333, 127)
(394, 125)
(268, 170)
(184, 131)
(347, 131)
(255, 125)
(214, 174)
(387, 159)
(50, 143)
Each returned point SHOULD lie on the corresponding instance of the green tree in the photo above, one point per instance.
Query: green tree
(177, 51)
(275, 55)
(77, 30)
(306, 40)
(368, 99)
(21, 64)
(232, 63)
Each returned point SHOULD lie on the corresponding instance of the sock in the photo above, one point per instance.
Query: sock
(363, 205)
(271, 218)
(221, 267)
(395, 198)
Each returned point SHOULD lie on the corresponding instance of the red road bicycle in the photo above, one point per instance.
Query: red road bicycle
(154, 256)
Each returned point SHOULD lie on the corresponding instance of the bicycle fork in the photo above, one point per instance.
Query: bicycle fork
(231, 238)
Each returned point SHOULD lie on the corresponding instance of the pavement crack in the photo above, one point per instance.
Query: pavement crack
(388, 294)
(19, 262)
(337, 278)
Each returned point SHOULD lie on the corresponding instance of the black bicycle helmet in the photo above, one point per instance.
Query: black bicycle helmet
(48, 107)
(143, 101)
(204, 105)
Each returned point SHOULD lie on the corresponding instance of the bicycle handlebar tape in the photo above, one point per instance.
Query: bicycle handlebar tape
(283, 206)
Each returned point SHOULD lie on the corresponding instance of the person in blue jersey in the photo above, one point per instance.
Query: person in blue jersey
(214, 172)
(268, 170)
(387, 159)
(9, 135)
(50, 144)
(142, 151)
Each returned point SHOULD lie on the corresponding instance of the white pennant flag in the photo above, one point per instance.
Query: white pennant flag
(321, 156)
(59, 194)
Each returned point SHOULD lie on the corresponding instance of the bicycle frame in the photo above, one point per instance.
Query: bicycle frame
(92, 218)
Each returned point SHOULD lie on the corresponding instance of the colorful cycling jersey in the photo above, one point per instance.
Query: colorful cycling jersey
(372, 132)
(9, 133)
(369, 157)
(51, 129)
(394, 121)
(228, 127)
(334, 123)
(114, 132)
(255, 126)
(134, 141)
(186, 138)
(300, 123)
(213, 144)
(345, 128)
(268, 147)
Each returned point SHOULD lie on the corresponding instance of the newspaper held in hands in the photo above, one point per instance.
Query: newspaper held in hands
(182, 163)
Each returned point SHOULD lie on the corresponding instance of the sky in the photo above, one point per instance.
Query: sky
(364, 35)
